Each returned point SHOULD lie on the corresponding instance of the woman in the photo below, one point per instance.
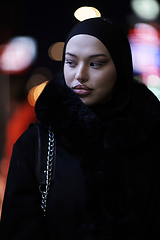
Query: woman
(106, 172)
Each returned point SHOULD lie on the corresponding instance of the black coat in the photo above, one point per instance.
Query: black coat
(107, 181)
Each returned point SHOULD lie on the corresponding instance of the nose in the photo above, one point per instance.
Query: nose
(81, 74)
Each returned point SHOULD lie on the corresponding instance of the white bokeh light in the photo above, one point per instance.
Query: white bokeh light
(86, 12)
(18, 54)
(146, 9)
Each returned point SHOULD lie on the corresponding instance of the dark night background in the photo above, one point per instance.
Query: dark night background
(47, 22)
(50, 21)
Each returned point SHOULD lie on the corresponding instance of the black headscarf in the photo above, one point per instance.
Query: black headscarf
(115, 40)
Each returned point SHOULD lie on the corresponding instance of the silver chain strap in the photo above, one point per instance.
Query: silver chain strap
(48, 171)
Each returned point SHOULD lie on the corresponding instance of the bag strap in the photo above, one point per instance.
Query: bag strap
(45, 170)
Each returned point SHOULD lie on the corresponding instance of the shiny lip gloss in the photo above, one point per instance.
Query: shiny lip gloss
(82, 90)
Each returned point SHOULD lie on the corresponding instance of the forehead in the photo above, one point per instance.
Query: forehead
(84, 42)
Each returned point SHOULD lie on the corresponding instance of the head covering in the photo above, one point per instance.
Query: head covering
(115, 40)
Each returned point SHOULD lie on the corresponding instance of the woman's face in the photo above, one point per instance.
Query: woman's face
(89, 69)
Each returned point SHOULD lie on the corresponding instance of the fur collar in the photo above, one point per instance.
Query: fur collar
(108, 203)
(59, 107)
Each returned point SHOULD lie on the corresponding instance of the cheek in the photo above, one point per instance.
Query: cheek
(67, 76)
(106, 79)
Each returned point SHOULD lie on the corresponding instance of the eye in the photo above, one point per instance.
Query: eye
(71, 63)
(96, 64)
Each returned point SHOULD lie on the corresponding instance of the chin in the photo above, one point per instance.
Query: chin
(87, 103)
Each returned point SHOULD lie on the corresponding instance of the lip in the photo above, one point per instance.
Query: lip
(82, 90)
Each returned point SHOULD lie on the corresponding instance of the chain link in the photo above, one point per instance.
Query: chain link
(49, 171)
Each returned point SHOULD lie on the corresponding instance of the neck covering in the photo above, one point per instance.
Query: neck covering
(116, 42)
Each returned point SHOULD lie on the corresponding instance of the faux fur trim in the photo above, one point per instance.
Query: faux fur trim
(107, 203)
(59, 107)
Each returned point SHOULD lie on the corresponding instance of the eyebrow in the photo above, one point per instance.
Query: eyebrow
(97, 55)
(70, 54)
(92, 56)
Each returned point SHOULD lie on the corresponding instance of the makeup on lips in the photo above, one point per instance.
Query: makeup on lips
(82, 90)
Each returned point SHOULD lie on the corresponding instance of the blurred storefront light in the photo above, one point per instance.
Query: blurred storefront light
(18, 54)
(146, 9)
(86, 12)
(155, 90)
(153, 80)
(145, 46)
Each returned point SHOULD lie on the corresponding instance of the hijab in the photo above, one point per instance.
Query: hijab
(116, 42)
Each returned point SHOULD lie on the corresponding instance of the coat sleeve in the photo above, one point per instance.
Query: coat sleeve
(22, 217)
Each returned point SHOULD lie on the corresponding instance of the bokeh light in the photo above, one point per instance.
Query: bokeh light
(156, 91)
(18, 54)
(145, 46)
(153, 80)
(146, 9)
(35, 92)
(85, 12)
(35, 80)
(55, 51)
(35, 84)
(38, 76)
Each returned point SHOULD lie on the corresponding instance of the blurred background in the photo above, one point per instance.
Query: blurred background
(32, 35)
